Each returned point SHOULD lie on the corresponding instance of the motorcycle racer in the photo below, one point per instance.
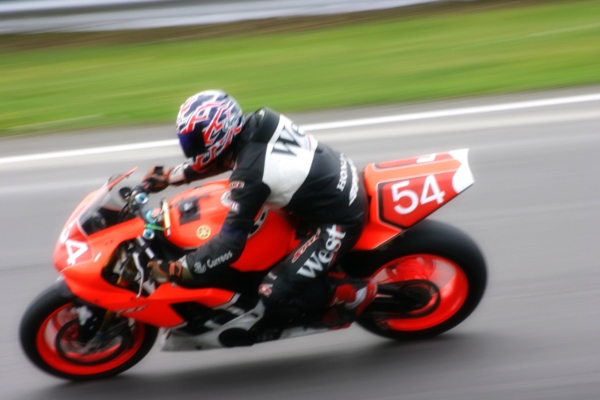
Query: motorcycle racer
(272, 161)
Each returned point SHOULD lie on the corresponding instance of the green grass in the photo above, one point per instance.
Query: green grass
(489, 50)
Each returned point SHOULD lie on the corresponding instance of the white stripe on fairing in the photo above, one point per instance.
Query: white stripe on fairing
(463, 178)
(325, 126)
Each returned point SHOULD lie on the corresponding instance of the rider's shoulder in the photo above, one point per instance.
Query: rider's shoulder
(260, 125)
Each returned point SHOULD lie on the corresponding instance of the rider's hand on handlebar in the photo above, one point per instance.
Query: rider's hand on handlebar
(156, 180)
(169, 271)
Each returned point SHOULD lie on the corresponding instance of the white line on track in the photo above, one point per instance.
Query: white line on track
(324, 126)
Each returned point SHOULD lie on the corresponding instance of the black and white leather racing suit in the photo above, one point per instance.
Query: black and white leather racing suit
(277, 163)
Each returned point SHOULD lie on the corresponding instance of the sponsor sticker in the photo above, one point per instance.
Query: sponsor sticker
(354, 188)
(236, 184)
(318, 262)
(306, 245)
(226, 198)
(203, 232)
(343, 173)
(201, 267)
(259, 221)
(227, 202)
(265, 289)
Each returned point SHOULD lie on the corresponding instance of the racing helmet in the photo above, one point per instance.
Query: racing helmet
(207, 125)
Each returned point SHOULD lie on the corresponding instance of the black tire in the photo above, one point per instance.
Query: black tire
(36, 318)
(441, 241)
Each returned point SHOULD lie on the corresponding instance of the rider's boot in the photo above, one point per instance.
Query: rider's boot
(349, 300)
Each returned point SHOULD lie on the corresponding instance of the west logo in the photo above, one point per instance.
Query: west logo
(318, 261)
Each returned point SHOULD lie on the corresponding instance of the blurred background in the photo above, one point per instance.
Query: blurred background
(76, 64)
(92, 88)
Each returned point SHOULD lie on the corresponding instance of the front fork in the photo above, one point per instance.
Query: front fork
(90, 319)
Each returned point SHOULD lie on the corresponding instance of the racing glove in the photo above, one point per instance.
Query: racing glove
(156, 180)
(169, 271)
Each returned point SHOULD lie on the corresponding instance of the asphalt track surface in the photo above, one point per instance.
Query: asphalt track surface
(534, 210)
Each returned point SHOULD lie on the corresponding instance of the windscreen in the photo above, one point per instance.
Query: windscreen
(106, 209)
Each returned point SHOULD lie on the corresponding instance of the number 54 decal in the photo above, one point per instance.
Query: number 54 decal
(74, 244)
(402, 203)
(431, 191)
(406, 191)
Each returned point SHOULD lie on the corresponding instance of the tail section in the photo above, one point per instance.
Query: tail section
(403, 192)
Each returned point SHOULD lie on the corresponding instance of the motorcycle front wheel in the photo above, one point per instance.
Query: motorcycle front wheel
(51, 338)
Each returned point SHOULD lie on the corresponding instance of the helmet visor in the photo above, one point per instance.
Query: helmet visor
(191, 144)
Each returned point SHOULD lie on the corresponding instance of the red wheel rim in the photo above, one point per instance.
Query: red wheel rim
(46, 339)
(446, 275)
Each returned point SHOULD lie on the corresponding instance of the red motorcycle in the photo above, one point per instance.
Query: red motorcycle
(104, 314)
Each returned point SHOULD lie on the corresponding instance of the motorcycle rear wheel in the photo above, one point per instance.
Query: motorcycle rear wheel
(433, 258)
(48, 335)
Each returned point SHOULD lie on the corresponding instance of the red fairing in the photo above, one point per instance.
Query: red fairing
(270, 241)
(72, 246)
(403, 192)
(85, 281)
(81, 259)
